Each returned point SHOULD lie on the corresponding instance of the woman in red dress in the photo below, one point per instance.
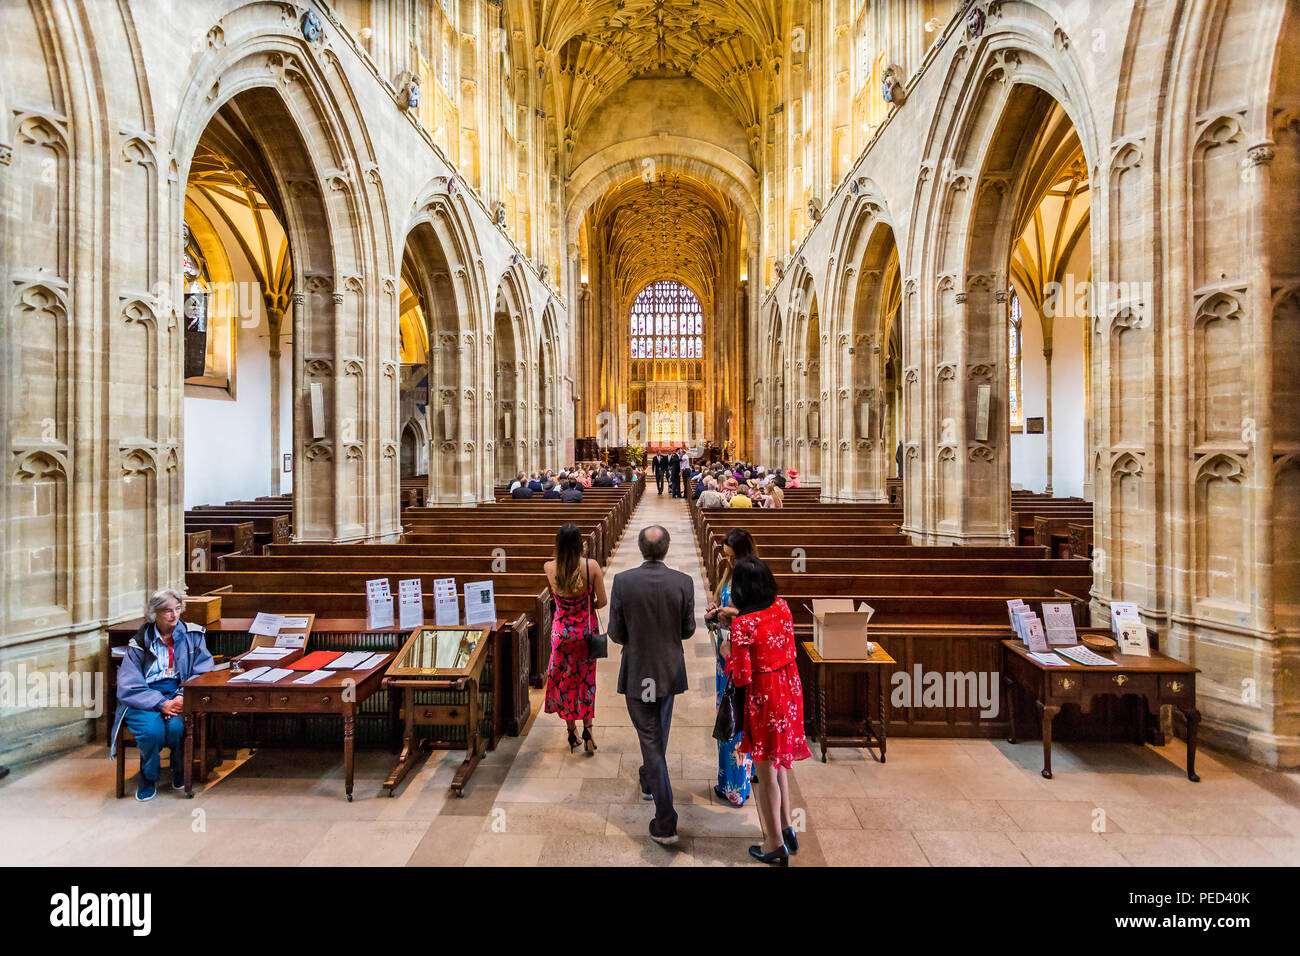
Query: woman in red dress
(578, 585)
(761, 658)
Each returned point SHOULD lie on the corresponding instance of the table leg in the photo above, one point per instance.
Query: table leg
(1193, 722)
(1049, 712)
(880, 709)
(821, 708)
(189, 755)
(407, 756)
(1009, 691)
(349, 728)
(203, 748)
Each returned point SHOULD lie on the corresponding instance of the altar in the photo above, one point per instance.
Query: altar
(668, 405)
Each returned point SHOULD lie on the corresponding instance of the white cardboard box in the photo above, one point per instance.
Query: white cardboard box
(839, 629)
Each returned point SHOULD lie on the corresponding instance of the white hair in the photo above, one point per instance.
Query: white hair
(160, 599)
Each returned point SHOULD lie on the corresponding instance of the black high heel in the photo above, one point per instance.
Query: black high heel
(588, 744)
(778, 857)
(791, 844)
(573, 741)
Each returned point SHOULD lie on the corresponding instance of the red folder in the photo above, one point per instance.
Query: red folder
(315, 660)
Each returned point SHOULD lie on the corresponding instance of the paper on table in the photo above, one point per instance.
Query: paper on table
(268, 625)
(295, 622)
(348, 661)
(1133, 638)
(1082, 655)
(272, 674)
(410, 603)
(312, 677)
(253, 674)
(373, 661)
(1049, 659)
(291, 641)
(268, 653)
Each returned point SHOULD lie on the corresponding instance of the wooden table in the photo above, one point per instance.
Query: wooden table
(1158, 678)
(212, 693)
(422, 665)
(873, 735)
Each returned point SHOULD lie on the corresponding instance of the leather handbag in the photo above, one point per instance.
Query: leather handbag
(597, 643)
(731, 709)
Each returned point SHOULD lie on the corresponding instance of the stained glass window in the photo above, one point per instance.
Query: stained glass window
(1015, 412)
(667, 322)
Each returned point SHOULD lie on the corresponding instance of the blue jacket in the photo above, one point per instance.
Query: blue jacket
(192, 658)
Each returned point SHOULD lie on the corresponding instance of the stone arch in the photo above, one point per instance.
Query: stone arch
(300, 116)
(514, 408)
(807, 348)
(555, 452)
(865, 293)
(445, 258)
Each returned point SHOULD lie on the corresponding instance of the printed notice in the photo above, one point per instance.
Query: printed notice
(410, 603)
(268, 625)
(1058, 619)
(480, 603)
(379, 604)
(446, 607)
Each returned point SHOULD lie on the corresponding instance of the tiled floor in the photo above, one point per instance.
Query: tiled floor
(935, 803)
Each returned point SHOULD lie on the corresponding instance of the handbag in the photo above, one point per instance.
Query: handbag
(597, 643)
(730, 720)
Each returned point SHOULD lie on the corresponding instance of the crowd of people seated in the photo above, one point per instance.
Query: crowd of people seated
(741, 485)
(565, 486)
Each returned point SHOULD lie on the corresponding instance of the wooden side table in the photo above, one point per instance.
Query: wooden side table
(340, 693)
(873, 733)
(1158, 678)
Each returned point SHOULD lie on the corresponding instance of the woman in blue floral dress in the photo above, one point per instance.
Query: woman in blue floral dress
(735, 768)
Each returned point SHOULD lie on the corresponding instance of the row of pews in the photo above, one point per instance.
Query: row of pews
(1062, 525)
(237, 527)
(940, 608)
(506, 542)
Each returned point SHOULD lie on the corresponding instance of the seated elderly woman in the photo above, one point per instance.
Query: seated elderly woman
(162, 655)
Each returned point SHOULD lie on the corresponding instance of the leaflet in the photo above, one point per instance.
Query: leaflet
(268, 625)
(312, 677)
(1049, 659)
(1058, 621)
(446, 607)
(349, 660)
(1081, 655)
(410, 603)
(249, 675)
(271, 675)
(480, 603)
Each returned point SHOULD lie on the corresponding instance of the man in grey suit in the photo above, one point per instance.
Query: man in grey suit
(651, 612)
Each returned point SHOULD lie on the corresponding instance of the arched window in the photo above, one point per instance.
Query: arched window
(1016, 411)
(667, 322)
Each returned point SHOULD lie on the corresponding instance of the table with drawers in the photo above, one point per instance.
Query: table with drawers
(1158, 678)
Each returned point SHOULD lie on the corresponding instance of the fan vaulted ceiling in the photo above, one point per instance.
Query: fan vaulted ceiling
(671, 227)
(729, 45)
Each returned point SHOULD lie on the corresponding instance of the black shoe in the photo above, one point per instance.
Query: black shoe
(573, 741)
(791, 844)
(666, 839)
(778, 857)
(178, 778)
(588, 744)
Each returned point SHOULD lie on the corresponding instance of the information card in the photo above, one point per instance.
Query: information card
(480, 603)
(1133, 638)
(268, 625)
(410, 603)
(1058, 621)
(446, 607)
(379, 604)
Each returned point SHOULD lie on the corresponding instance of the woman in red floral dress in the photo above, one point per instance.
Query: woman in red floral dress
(578, 585)
(761, 658)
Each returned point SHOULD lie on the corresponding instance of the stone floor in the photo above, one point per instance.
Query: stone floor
(935, 803)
